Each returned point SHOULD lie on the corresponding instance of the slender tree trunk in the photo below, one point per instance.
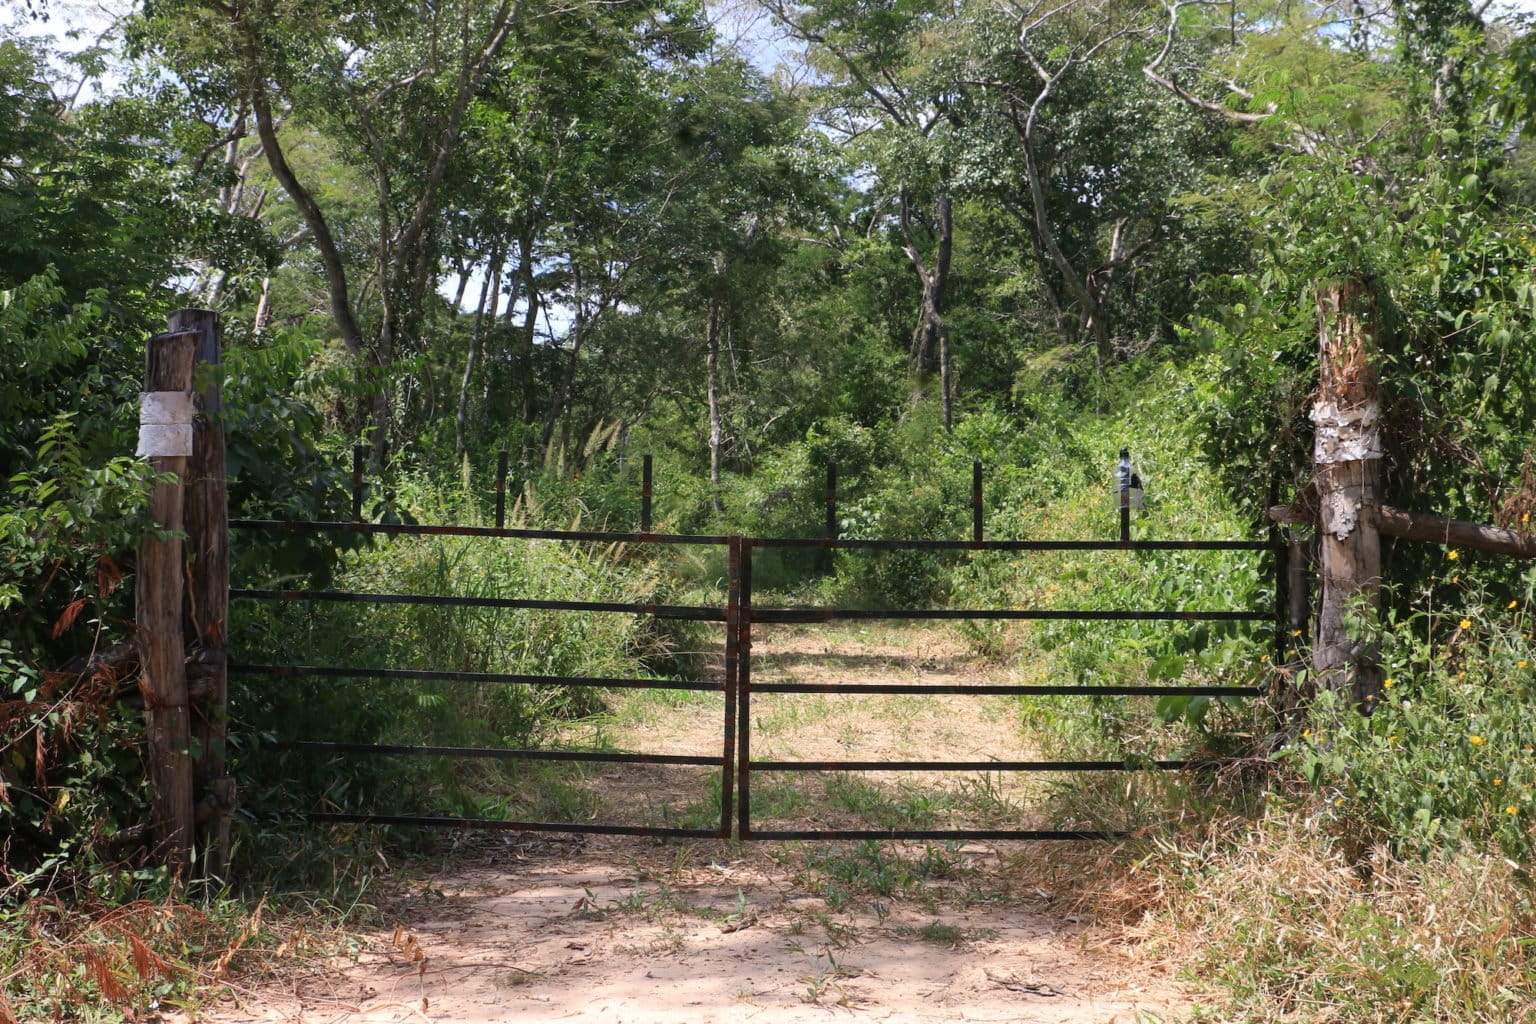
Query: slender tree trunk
(513, 278)
(567, 379)
(263, 307)
(458, 294)
(712, 385)
(526, 352)
(945, 386)
(490, 292)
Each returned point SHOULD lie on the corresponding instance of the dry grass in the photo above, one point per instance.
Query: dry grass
(96, 961)
(1280, 926)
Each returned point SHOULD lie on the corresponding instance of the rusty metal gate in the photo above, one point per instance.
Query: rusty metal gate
(737, 616)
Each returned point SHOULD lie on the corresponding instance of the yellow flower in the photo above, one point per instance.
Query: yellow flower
(1520, 664)
(1466, 623)
(1453, 554)
(1476, 740)
(1498, 782)
(1389, 683)
(1511, 809)
(1514, 604)
(1295, 632)
(1525, 518)
(1392, 738)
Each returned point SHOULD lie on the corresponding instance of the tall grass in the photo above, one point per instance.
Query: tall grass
(511, 641)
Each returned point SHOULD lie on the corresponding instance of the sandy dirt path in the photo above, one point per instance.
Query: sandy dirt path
(634, 931)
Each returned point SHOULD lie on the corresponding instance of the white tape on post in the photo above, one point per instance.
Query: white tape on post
(1346, 434)
(165, 423)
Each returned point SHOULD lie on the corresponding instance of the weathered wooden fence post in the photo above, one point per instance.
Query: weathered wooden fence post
(165, 437)
(1347, 456)
(207, 608)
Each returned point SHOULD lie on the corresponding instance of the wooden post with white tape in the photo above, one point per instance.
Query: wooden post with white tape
(166, 410)
(207, 604)
(1347, 457)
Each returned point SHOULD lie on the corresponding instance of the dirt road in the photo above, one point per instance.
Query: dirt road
(632, 931)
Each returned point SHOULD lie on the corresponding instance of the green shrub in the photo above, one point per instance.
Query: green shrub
(1448, 759)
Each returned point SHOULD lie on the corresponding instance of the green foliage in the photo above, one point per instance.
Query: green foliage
(1448, 760)
(362, 709)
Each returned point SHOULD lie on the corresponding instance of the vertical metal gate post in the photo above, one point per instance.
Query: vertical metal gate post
(732, 668)
(744, 696)
(1282, 578)
(1125, 507)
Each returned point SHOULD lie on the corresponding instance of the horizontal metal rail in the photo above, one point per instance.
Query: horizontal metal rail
(977, 834)
(1019, 690)
(977, 766)
(499, 753)
(426, 530)
(432, 675)
(848, 543)
(700, 613)
(444, 821)
(842, 543)
(1056, 614)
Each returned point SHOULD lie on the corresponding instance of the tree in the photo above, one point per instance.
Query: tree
(895, 105)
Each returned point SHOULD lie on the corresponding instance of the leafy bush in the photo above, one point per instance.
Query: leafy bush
(1448, 759)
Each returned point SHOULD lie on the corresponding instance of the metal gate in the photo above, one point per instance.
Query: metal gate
(738, 615)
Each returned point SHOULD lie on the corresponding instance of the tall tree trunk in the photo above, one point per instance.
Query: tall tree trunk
(490, 291)
(530, 325)
(513, 277)
(930, 338)
(567, 379)
(263, 308)
(712, 384)
(458, 293)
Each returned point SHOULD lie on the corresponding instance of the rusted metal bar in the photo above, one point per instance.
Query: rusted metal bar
(832, 499)
(1020, 690)
(732, 664)
(645, 493)
(976, 509)
(495, 753)
(430, 675)
(843, 543)
(976, 766)
(501, 490)
(359, 453)
(439, 821)
(1070, 615)
(744, 697)
(698, 613)
(1125, 502)
(976, 834)
(1014, 545)
(1282, 577)
(419, 530)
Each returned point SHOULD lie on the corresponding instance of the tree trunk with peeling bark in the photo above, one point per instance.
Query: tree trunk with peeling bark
(1347, 454)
